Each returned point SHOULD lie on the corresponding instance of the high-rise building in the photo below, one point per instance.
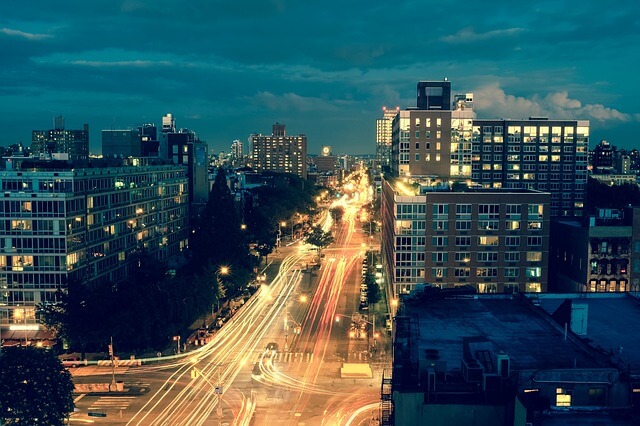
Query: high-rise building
(538, 153)
(384, 127)
(495, 240)
(603, 158)
(82, 224)
(279, 152)
(237, 154)
(74, 143)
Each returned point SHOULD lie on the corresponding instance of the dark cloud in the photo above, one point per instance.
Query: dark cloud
(230, 68)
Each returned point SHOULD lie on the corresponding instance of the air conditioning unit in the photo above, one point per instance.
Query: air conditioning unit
(503, 364)
(472, 371)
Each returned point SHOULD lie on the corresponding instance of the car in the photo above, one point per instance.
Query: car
(272, 346)
(72, 362)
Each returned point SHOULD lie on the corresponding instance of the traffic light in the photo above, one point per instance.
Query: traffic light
(110, 350)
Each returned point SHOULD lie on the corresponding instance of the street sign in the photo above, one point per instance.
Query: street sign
(97, 414)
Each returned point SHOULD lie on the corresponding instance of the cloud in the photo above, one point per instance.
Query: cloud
(493, 100)
(126, 64)
(22, 34)
(293, 102)
(468, 35)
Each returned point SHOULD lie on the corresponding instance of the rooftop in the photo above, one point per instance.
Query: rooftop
(613, 324)
(511, 325)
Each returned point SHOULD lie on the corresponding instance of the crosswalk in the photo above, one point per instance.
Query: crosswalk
(307, 357)
(112, 403)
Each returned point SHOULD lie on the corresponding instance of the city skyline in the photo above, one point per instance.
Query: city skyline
(229, 70)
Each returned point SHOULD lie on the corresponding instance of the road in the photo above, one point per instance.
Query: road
(276, 362)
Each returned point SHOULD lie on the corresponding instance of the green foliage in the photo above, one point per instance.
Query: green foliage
(319, 238)
(373, 289)
(35, 389)
(336, 213)
(603, 196)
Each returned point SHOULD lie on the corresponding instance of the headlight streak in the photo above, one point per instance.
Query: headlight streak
(224, 356)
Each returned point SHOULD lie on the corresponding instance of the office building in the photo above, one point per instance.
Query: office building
(493, 240)
(384, 127)
(279, 152)
(82, 224)
(74, 143)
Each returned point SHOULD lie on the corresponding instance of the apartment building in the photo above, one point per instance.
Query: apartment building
(495, 240)
(58, 225)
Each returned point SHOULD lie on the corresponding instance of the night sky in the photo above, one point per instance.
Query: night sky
(226, 69)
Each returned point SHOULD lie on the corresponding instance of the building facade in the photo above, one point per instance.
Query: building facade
(121, 143)
(599, 254)
(280, 152)
(493, 240)
(83, 224)
(538, 153)
(58, 140)
(384, 127)
(444, 140)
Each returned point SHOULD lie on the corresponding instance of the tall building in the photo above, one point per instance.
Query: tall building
(384, 128)
(279, 152)
(603, 158)
(237, 154)
(183, 147)
(538, 153)
(494, 240)
(74, 143)
(82, 224)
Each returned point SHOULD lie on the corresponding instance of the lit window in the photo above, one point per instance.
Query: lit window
(563, 397)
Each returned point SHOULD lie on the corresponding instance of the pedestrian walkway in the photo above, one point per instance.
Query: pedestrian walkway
(112, 403)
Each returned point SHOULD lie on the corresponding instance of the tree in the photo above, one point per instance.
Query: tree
(319, 238)
(35, 388)
(336, 213)
(373, 289)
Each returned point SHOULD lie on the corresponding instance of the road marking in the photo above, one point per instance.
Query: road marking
(114, 402)
(79, 397)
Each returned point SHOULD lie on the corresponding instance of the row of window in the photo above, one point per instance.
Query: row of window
(486, 256)
(486, 271)
(466, 225)
(484, 240)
